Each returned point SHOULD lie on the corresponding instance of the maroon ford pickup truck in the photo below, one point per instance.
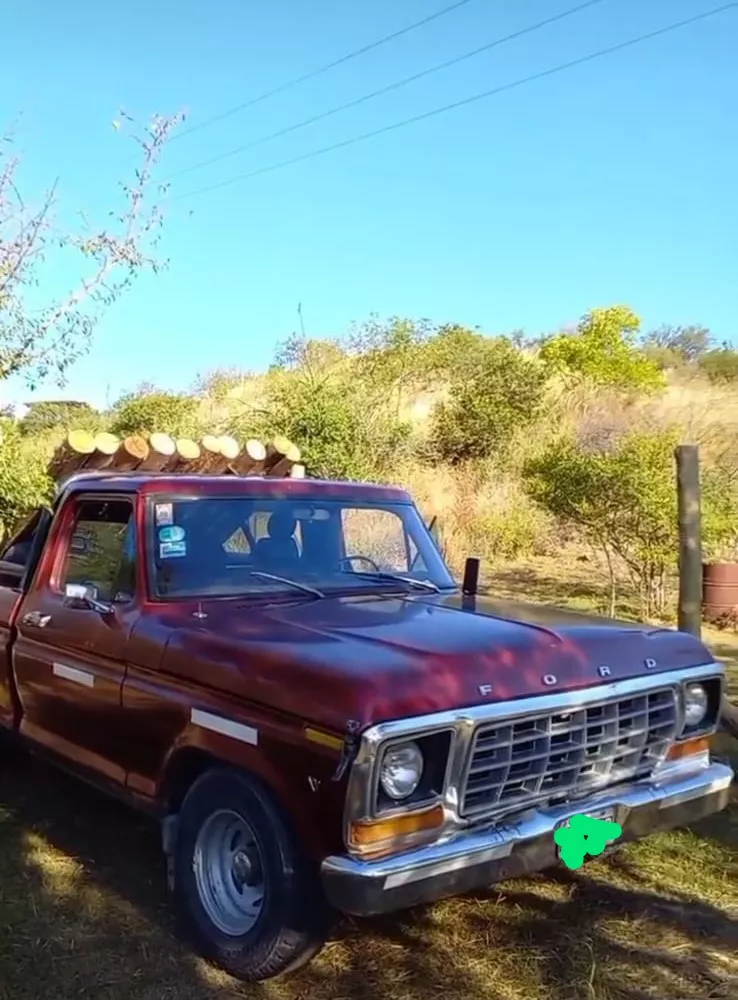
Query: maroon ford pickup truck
(285, 675)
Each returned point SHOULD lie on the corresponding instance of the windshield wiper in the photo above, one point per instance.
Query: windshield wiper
(290, 583)
(411, 581)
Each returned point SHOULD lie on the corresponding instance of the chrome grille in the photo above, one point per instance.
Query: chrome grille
(551, 756)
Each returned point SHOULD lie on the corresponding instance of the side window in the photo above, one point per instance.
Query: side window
(102, 550)
(378, 535)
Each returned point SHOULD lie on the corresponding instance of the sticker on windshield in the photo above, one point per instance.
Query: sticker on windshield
(171, 533)
(172, 550)
(164, 513)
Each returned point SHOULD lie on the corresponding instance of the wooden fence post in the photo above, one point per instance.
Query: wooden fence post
(690, 538)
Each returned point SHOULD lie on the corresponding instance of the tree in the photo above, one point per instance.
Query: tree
(623, 499)
(51, 415)
(42, 339)
(720, 365)
(686, 344)
(153, 410)
(24, 484)
(392, 358)
(494, 391)
(336, 408)
(603, 351)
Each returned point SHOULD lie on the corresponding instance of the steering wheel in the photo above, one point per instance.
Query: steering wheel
(348, 560)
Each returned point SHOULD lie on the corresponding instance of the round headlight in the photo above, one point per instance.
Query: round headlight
(696, 705)
(402, 769)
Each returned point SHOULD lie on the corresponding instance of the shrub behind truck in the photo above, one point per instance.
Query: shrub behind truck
(285, 676)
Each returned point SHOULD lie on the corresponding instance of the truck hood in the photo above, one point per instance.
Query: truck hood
(376, 658)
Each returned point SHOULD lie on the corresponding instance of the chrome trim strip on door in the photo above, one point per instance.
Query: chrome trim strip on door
(226, 727)
(72, 674)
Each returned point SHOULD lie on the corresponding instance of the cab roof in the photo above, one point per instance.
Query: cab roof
(150, 483)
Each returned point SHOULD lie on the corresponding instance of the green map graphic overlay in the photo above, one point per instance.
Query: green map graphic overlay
(584, 835)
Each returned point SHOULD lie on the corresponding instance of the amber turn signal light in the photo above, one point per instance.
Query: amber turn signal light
(688, 748)
(379, 835)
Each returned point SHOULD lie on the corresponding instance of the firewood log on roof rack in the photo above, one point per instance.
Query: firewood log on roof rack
(163, 454)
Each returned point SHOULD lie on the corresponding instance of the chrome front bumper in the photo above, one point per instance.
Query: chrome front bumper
(478, 858)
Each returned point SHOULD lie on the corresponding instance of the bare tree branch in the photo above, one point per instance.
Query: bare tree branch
(39, 342)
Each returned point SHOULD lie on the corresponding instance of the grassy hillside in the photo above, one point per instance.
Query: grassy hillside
(504, 442)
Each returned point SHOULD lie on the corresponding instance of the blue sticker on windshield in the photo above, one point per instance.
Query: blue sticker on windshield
(171, 533)
(172, 550)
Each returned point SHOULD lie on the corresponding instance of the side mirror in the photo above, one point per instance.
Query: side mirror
(81, 595)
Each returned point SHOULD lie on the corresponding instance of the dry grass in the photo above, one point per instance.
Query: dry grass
(485, 512)
(84, 913)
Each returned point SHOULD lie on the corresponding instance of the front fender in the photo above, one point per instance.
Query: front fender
(297, 774)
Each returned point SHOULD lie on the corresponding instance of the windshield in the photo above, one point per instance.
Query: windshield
(223, 547)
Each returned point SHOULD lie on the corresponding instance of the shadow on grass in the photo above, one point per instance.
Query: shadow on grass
(528, 584)
(84, 913)
(639, 943)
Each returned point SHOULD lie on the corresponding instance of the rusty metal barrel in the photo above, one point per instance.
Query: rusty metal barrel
(719, 590)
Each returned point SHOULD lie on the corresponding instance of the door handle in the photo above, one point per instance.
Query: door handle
(35, 619)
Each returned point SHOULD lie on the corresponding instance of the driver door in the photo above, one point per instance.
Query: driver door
(69, 658)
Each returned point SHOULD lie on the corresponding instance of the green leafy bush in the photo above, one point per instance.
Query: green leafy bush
(341, 407)
(720, 366)
(166, 412)
(720, 514)
(495, 391)
(603, 351)
(60, 415)
(505, 535)
(24, 485)
(622, 499)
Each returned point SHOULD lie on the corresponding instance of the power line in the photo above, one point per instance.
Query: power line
(552, 71)
(390, 87)
(323, 69)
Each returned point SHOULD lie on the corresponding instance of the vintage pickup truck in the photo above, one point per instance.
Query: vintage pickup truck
(285, 675)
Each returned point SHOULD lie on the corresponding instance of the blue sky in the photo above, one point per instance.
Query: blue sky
(612, 182)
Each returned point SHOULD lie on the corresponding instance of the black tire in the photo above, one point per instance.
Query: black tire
(294, 920)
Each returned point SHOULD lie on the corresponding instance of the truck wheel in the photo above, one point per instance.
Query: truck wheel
(243, 891)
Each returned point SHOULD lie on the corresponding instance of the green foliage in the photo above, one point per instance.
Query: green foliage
(24, 484)
(495, 390)
(323, 424)
(663, 357)
(337, 407)
(393, 358)
(720, 514)
(622, 499)
(59, 415)
(505, 535)
(720, 366)
(603, 351)
(156, 411)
